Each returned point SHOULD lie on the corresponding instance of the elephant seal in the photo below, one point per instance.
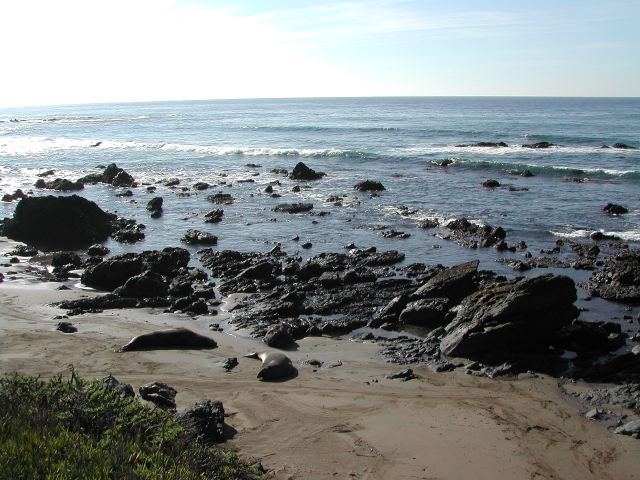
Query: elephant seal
(275, 365)
(173, 338)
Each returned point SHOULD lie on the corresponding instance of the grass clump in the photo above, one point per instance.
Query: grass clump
(69, 428)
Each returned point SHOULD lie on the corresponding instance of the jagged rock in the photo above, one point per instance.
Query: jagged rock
(66, 223)
(62, 259)
(112, 175)
(522, 314)
(302, 172)
(426, 312)
(147, 284)
(115, 271)
(124, 389)
(60, 185)
(539, 145)
(214, 216)
(404, 375)
(428, 223)
(221, 198)
(160, 394)
(618, 279)
(203, 421)
(589, 337)
(614, 209)
(229, 363)
(155, 207)
(201, 186)
(260, 270)
(623, 146)
(278, 336)
(491, 183)
(293, 207)
(369, 186)
(97, 250)
(197, 237)
(454, 283)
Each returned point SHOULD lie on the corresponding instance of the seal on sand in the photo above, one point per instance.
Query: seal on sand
(173, 338)
(275, 365)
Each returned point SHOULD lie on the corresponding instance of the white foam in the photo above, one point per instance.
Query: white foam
(629, 236)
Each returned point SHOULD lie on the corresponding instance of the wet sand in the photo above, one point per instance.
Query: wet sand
(341, 420)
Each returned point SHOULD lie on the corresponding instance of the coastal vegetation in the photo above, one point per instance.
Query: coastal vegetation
(69, 428)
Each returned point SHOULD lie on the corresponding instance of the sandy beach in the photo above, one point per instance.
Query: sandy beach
(341, 420)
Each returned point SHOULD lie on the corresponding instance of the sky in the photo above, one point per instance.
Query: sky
(93, 51)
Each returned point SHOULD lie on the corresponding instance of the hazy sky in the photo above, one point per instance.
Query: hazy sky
(77, 51)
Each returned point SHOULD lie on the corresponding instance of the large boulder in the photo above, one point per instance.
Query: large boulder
(454, 283)
(115, 271)
(426, 312)
(147, 284)
(278, 336)
(302, 172)
(506, 318)
(369, 186)
(65, 223)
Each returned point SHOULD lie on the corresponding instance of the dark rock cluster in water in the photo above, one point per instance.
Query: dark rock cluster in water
(66, 223)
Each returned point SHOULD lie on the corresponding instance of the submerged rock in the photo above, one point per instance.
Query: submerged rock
(112, 175)
(60, 184)
(302, 172)
(369, 186)
(614, 209)
(293, 207)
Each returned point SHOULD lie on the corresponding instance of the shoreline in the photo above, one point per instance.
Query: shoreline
(343, 422)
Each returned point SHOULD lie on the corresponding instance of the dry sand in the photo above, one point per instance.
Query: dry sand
(345, 421)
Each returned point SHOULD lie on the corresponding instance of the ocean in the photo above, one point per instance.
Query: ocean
(235, 144)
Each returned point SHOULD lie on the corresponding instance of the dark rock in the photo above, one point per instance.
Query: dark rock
(369, 186)
(230, 363)
(112, 175)
(147, 284)
(197, 237)
(172, 182)
(24, 251)
(539, 145)
(587, 337)
(127, 231)
(618, 279)
(258, 271)
(293, 207)
(426, 312)
(491, 183)
(66, 327)
(155, 204)
(201, 186)
(627, 395)
(66, 258)
(614, 209)
(221, 198)
(443, 163)
(391, 311)
(521, 314)
(60, 185)
(302, 172)
(46, 173)
(278, 336)
(527, 173)
(126, 193)
(124, 389)
(485, 144)
(404, 375)
(307, 245)
(214, 216)
(97, 250)
(66, 223)
(394, 234)
(623, 146)
(428, 223)
(160, 394)
(454, 283)
(204, 421)
(598, 236)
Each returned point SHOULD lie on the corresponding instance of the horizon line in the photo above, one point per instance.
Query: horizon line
(346, 97)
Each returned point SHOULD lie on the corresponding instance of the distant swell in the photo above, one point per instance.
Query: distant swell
(553, 170)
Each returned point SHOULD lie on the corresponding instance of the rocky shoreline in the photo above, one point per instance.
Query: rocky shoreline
(474, 320)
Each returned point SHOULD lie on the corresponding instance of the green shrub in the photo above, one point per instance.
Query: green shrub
(76, 429)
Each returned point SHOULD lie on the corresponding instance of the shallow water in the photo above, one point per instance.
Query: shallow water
(393, 140)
